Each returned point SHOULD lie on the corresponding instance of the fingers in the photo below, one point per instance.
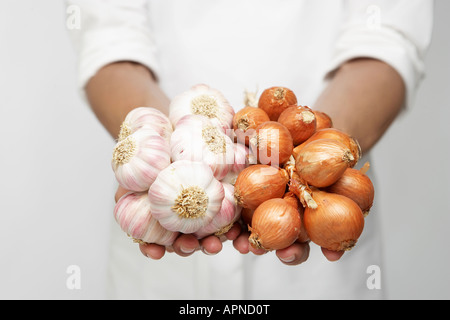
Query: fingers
(295, 254)
(185, 245)
(332, 255)
(153, 251)
(119, 193)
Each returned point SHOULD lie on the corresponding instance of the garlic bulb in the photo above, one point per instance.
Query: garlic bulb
(185, 196)
(202, 100)
(224, 219)
(138, 158)
(146, 117)
(196, 138)
(132, 213)
(241, 161)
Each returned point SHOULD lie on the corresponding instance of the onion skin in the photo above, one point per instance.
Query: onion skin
(322, 162)
(336, 224)
(323, 120)
(275, 100)
(357, 186)
(246, 120)
(300, 121)
(336, 134)
(258, 183)
(292, 199)
(272, 143)
(275, 225)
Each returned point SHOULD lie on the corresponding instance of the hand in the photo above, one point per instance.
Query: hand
(185, 244)
(295, 254)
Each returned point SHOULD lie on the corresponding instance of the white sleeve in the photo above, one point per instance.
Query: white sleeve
(110, 31)
(397, 32)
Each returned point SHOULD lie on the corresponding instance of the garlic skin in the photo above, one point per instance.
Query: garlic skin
(138, 158)
(132, 213)
(202, 100)
(185, 196)
(229, 213)
(196, 138)
(241, 161)
(146, 117)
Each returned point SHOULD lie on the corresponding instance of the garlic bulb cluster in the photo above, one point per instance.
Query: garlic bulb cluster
(304, 186)
(179, 169)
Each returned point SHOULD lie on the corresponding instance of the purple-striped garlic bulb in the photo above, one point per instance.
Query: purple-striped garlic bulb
(185, 196)
(229, 213)
(132, 213)
(138, 158)
(242, 158)
(196, 138)
(203, 100)
(146, 117)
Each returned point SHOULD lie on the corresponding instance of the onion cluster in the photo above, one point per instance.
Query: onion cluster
(303, 185)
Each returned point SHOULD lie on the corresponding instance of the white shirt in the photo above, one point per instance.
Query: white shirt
(250, 44)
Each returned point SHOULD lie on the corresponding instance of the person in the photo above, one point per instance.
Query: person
(360, 61)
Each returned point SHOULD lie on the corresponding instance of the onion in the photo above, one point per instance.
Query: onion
(337, 222)
(246, 120)
(323, 120)
(356, 185)
(258, 183)
(292, 199)
(336, 134)
(300, 121)
(275, 225)
(272, 143)
(275, 100)
(322, 162)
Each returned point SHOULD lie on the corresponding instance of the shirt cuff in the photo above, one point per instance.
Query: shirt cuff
(386, 45)
(103, 52)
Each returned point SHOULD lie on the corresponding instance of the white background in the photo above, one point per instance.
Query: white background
(56, 184)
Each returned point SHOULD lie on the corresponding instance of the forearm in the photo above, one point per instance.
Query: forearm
(363, 98)
(119, 87)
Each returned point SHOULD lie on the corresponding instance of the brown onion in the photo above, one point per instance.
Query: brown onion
(336, 134)
(300, 121)
(258, 183)
(275, 100)
(272, 143)
(356, 185)
(275, 225)
(245, 122)
(322, 162)
(336, 224)
(292, 199)
(323, 120)
(246, 216)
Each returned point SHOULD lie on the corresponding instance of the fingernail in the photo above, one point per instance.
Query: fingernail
(207, 253)
(288, 259)
(185, 250)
